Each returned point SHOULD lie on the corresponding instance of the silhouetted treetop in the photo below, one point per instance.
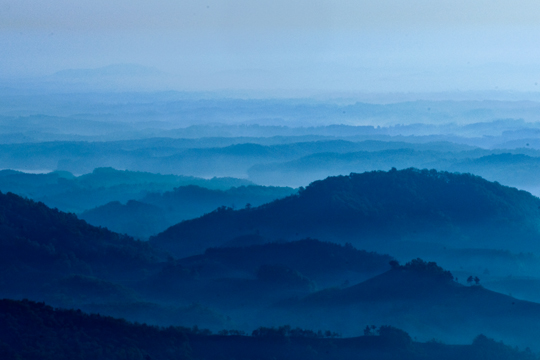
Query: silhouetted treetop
(430, 268)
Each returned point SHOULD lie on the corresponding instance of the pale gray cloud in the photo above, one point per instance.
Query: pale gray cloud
(265, 15)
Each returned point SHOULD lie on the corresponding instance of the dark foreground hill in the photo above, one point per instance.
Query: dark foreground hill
(31, 330)
(49, 255)
(40, 244)
(374, 210)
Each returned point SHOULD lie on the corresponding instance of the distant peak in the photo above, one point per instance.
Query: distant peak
(124, 70)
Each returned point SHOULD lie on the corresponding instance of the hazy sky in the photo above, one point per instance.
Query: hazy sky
(350, 45)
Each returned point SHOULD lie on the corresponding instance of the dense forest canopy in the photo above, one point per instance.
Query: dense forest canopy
(40, 243)
(30, 330)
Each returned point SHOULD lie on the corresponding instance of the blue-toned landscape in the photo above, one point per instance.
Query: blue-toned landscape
(269, 180)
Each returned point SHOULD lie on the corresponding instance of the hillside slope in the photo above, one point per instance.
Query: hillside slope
(364, 209)
(256, 276)
(319, 261)
(156, 211)
(40, 244)
(424, 300)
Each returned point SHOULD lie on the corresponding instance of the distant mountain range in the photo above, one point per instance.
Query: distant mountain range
(512, 168)
(271, 161)
(115, 77)
(116, 70)
(63, 190)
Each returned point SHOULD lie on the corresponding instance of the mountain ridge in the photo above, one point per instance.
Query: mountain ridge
(363, 208)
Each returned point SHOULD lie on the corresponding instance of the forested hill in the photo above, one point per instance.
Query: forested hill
(327, 264)
(156, 211)
(30, 330)
(310, 257)
(425, 300)
(38, 243)
(363, 208)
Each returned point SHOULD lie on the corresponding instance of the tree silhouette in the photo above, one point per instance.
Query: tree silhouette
(369, 330)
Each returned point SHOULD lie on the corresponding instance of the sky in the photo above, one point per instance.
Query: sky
(340, 45)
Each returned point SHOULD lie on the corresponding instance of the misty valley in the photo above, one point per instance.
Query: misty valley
(269, 180)
(268, 229)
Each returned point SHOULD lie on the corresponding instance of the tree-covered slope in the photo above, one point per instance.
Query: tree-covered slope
(38, 243)
(31, 331)
(426, 205)
(320, 261)
(156, 211)
(424, 300)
